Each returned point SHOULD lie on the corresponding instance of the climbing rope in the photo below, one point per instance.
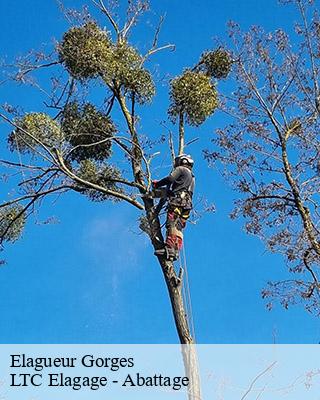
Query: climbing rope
(186, 292)
(187, 301)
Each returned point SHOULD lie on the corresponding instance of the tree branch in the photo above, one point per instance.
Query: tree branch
(105, 11)
(305, 261)
(18, 165)
(181, 133)
(94, 186)
(137, 153)
(129, 24)
(41, 144)
(274, 197)
(312, 58)
(154, 49)
(256, 379)
(36, 195)
(35, 178)
(303, 211)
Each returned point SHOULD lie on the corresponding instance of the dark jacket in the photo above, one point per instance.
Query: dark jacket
(180, 180)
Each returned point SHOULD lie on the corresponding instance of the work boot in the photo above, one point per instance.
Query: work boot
(173, 254)
(160, 252)
(170, 254)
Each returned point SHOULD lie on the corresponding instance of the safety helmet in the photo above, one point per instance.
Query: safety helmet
(183, 159)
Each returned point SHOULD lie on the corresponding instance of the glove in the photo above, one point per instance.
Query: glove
(154, 184)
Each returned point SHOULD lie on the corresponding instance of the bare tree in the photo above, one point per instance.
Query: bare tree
(74, 145)
(269, 151)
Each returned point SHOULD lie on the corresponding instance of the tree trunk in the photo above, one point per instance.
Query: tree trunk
(178, 308)
(188, 347)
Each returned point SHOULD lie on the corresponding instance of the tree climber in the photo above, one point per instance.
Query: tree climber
(180, 186)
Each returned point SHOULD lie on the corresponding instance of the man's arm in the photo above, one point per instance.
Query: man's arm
(168, 180)
(163, 182)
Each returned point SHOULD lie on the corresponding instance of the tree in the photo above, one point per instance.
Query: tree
(269, 151)
(75, 145)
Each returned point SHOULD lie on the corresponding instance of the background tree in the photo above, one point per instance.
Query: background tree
(269, 152)
(75, 145)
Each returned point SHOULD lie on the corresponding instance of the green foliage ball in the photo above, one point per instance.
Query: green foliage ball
(125, 68)
(85, 50)
(88, 130)
(11, 223)
(194, 95)
(102, 175)
(33, 129)
(88, 52)
(88, 171)
(216, 63)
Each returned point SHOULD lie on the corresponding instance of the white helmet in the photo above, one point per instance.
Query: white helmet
(183, 159)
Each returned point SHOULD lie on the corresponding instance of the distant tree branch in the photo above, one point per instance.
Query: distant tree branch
(305, 260)
(250, 388)
(271, 197)
(311, 54)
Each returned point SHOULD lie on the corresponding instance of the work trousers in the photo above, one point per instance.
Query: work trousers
(177, 217)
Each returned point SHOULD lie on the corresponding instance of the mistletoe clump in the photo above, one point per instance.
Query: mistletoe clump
(85, 50)
(104, 175)
(88, 52)
(125, 68)
(194, 95)
(88, 171)
(34, 130)
(12, 221)
(88, 130)
(216, 63)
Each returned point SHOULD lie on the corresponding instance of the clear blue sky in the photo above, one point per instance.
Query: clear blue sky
(90, 278)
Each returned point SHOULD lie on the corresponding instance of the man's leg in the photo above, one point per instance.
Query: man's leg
(174, 237)
(171, 249)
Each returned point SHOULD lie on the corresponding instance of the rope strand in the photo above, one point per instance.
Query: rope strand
(186, 292)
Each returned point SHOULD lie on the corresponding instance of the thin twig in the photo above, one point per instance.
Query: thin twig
(256, 379)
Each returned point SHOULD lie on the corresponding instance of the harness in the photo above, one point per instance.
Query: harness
(178, 201)
(181, 199)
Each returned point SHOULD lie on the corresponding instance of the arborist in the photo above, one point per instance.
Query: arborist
(180, 187)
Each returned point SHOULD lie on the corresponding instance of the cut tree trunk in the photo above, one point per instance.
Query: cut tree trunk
(174, 287)
(188, 347)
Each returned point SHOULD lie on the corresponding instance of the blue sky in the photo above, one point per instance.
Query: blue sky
(91, 278)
